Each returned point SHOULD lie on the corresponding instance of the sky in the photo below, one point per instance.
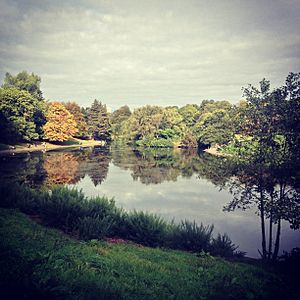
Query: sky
(149, 52)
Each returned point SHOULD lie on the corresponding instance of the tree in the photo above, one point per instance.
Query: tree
(24, 82)
(120, 115)
(60, 124)
(190, 114)
(172, 119)
(269, 160)
(76, 111)
(188, 141)
(17, 115)
(214, 127)
(98, 121)
(144, 121)
(117, 119)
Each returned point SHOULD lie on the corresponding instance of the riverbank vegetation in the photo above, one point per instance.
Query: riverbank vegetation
(44, 263)
(95, 218)
(26, 115)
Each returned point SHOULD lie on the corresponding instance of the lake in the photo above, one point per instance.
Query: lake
(176, 184)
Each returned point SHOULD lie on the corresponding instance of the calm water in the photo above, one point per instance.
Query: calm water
(174, 184)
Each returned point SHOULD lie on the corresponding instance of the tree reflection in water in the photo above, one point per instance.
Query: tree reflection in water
(61, 168)
(272, 188)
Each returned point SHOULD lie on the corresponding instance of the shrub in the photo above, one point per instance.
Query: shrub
(15, 195)
(94, 227)
(223, 246)
(191, 236)
(63, 208)
(145, 228)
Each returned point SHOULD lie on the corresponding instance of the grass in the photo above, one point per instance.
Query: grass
(41, 263)
(94, 218)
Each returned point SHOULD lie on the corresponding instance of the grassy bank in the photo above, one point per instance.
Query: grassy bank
(95, 218)
(41, 263)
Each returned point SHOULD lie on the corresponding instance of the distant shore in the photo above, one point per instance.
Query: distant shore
(214, 151)
(47, 146)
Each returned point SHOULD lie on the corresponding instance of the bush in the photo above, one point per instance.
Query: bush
(94, 227)
(63, 208)
(145, 228)
(192, 237)
(223, 246)
(14, 195)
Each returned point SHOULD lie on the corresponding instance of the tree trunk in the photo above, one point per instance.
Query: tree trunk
(263, 230)
(271, 229)
(277, 242)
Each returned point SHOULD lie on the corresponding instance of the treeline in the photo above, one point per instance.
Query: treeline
(26, 115)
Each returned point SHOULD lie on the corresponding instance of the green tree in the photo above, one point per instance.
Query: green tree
(24, 81)
(144, 121)
(17, 115)
(98, 121)
(190, 114)
(120, 115)
(214, 127)
(117, 119)
(269, 159)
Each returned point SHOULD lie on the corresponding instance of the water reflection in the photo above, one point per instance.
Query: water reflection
(61, 168)
(274, 190)
(182, 184)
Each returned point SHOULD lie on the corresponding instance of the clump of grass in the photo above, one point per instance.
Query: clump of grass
(191, 236)
(94, 227)
(145, 228)
(223, 246)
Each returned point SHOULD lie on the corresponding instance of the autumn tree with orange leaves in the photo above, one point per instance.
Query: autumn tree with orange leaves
(61, 124)
(75, 110)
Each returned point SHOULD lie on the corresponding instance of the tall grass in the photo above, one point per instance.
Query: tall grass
(145, 228)
(94, 218)
(191, 236)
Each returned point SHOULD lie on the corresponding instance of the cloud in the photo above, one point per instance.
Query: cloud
(138, 52)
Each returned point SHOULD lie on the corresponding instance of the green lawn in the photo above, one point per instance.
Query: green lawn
(42, 263)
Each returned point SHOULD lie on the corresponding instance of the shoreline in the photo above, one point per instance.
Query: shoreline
(40, 147)
(214, 151)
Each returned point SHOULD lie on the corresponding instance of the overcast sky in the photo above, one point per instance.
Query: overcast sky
(149, 52)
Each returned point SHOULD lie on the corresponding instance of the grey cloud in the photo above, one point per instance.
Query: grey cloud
(163, 52)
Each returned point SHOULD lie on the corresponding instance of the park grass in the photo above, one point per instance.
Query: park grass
(41, 263)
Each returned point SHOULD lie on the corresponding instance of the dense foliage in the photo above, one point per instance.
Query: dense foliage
(263, 114)
(60, 125)
(98, 121)
(19, 118)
